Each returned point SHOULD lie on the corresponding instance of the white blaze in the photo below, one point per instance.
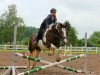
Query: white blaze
(64, 31)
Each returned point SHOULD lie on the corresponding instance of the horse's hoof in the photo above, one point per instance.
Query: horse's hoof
(58, 59)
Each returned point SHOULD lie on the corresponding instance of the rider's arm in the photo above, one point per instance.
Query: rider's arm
(47, 22)
(55, 20)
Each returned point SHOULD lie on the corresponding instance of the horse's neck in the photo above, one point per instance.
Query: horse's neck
(49, 37)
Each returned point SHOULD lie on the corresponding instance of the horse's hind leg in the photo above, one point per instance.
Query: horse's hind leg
(59, 55)
(35, 54)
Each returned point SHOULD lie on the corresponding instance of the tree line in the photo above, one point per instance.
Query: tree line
(9, 19)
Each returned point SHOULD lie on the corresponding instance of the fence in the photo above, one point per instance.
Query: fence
(10, 47)
(81, 49)
(25, 47)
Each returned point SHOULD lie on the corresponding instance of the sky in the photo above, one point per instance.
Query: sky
(84, 15)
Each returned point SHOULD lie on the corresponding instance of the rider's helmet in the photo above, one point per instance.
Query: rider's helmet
(53, 10)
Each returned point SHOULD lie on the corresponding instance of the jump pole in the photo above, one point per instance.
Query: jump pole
(46, 62)
(39, 60)
(27, 57)
(53, 64)
(17, 67)
(63, 67)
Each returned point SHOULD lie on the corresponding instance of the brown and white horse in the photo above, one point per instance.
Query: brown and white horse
(52, 38)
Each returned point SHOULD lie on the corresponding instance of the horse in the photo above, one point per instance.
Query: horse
(51, 39)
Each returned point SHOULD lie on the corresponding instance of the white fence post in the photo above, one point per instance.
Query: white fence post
(82, 49)
(5, 47)
(16, 47)
(68, 48)
(96, 49)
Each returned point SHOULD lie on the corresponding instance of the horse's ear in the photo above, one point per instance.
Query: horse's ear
(63, 26)
(60, 24)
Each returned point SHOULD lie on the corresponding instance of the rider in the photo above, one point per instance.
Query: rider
(51, 18)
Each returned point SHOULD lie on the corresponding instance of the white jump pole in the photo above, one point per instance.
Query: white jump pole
(18, 67)
(46, 62)
(50, 64)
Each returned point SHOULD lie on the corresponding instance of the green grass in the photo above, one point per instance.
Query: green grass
(91, 52)
(77, 52)
(12, 51)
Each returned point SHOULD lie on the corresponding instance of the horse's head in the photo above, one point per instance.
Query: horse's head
(56, 34)
(61, 31)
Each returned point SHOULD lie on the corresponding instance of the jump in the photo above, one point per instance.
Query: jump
(51, 40)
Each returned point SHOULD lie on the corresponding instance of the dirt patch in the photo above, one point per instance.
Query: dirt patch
(93, 64)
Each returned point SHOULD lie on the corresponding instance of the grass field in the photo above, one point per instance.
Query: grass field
(15, 51)
(76, 52)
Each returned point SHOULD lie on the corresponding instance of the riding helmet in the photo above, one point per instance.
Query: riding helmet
(53, 10)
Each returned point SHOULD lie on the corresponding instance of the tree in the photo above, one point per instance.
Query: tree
(94, 39)
(72, 38)
(71, 33)
(27, 33)
(7, 22)
(30, 30)
(68, 26)
(80, 42)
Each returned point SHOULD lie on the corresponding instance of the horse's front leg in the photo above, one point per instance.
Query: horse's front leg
(51, 52)
(59, 54)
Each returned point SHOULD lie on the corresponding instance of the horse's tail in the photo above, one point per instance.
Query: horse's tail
(30, 45)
